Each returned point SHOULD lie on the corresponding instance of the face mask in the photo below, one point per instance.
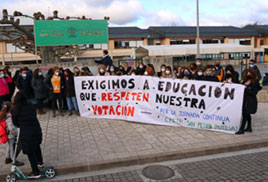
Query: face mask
(208, 73)
(146, 73)
(252, 66)
(101, 70)
(167, 72)
(111, 70)
(249, 77)
(141, 66)
(2, 75)
(200, 73)
(187, 74)
(163, 69)
(198, 63)
(133, 74)
(24, 76)
(39, 73)
(57, 73)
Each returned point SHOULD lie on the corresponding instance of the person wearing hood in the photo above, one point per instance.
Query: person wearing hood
(231, 76)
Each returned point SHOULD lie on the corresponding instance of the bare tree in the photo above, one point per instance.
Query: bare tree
(23, 36)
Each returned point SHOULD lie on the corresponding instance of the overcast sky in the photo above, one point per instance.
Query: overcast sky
(144, 13)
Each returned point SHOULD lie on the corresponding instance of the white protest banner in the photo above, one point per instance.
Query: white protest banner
(173, 102)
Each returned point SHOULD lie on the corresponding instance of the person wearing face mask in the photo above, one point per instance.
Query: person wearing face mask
(199, 64)
(56, 86)
(140, 69)
(76, 71)
(4, 89)
(193, 68)
(11, 85)
(168, 72)
(254, 67)
(24, 83)
(101, 70)
(231, 75)
(162, 71)
(250, 103)
(39, 88)
(187, 75)
(208, 74)
(111, 71)
(199, 74)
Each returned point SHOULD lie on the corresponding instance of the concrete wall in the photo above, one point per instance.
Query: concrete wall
(263, 95)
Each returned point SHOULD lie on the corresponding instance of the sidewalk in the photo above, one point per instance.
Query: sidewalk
(81, 144)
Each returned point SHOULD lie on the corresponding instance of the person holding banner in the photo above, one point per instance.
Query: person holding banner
(101, 70)
(252, 87)
(209, 76)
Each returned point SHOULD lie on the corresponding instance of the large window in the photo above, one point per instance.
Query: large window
(213, 41)
(185, 41)
(212, 56)
(121, 44)
(12, 49)
(244, 42)
(239, 55)
(93, 46)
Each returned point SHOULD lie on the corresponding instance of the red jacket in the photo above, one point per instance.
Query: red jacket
(4, 89)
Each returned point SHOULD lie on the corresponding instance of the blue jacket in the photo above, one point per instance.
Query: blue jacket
(107, 61)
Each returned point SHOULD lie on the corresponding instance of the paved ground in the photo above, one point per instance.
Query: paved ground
(75, 140)
(252, 166)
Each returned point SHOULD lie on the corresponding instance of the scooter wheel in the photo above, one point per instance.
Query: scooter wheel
(11, 178)
(50, 173)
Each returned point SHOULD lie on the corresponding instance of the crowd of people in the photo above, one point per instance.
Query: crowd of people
(57, 90)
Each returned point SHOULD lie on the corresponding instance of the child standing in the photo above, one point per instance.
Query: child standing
(12, 134)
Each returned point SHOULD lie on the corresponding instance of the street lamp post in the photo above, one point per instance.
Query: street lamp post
(197, 30)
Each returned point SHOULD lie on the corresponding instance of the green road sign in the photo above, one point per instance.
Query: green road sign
(70, 32)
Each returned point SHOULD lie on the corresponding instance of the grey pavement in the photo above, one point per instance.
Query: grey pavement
(251, 167)
(74, 141)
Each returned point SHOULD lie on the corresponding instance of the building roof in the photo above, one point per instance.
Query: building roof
(262, 30)
(205, 31)
(127, 32)
(173, 31)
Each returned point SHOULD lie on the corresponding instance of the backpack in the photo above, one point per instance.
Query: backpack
(3, 132)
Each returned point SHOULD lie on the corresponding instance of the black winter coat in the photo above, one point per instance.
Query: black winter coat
(210, 78)
(25, 86)
(30, 130)
(250, 104)
(107, 61)
(69, 90)
(39, 87)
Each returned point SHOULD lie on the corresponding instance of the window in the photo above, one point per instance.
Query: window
(212, 56)
(244, 42)
(185, 41)
(93, 46)
(211, 41)
(119, 44)
(12, 49)
(261, 42)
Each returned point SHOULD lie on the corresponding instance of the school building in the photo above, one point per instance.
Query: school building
(175, 43)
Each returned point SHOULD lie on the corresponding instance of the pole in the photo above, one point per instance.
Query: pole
(197, 29)
(36, 56)
(3, 56)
